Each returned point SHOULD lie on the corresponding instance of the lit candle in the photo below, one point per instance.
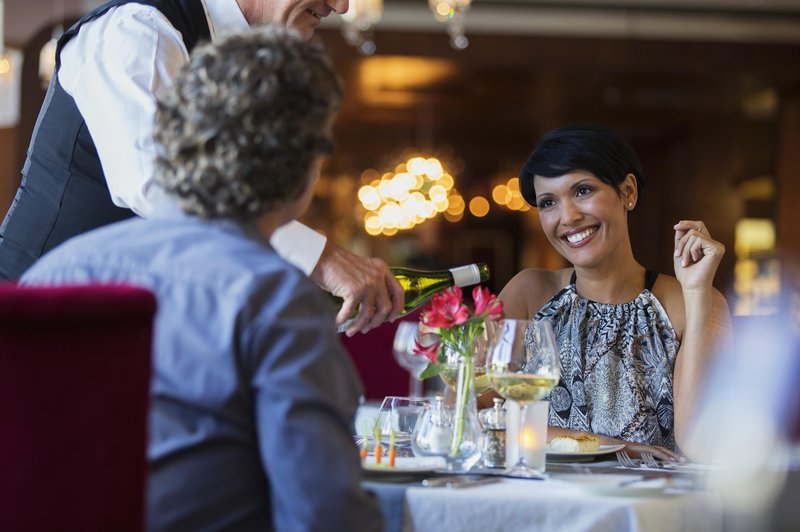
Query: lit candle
(534, 434)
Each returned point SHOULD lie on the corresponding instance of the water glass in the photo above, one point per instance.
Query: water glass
(399, 415)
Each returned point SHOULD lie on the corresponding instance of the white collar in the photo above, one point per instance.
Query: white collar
(224, 17)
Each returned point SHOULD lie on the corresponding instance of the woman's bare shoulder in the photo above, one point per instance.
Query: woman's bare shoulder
(527, 292)
(670, 294)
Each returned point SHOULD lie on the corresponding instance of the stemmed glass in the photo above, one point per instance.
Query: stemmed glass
(399, 415)
(523, 366)
(403, 350)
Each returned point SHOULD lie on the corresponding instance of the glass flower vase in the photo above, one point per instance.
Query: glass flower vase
(453, 357)
(465, 449)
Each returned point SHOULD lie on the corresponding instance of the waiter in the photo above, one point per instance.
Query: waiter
(91, 157)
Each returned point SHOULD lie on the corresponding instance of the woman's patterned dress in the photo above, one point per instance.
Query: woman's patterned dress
(616, 366)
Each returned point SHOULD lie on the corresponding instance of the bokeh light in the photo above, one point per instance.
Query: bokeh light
(507, 194)
(479, 206)
(415, 191)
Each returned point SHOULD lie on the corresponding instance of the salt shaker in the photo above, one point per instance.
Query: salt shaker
(493, 421)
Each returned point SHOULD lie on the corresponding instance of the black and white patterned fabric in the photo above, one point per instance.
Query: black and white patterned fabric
(617, 363)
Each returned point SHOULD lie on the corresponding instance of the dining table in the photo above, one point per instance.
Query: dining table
(576, 495)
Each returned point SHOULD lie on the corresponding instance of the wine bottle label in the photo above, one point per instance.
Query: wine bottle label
(466, 275)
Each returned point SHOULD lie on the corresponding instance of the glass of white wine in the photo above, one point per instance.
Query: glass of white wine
(523, 366)
(449, 373)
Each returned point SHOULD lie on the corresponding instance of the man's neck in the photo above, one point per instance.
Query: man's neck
(269, 222)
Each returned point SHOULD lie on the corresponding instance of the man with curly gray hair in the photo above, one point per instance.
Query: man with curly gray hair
(253, 397)
(243, 125)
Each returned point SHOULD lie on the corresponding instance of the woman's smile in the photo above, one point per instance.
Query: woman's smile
(580, 237)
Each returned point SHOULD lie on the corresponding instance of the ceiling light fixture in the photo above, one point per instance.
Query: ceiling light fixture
(10, 64)
(452, 13)
(358, 24)
(47, 55)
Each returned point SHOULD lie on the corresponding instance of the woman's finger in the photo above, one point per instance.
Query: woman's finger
(697, 251)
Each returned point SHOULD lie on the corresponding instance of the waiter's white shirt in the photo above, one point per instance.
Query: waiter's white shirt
(115, 68)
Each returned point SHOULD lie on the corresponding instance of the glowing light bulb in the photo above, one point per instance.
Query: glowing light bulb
(416, 165)
(446, 181)
(5, 66)
(501, 195)
(369, 197)
(437, 193)
(479, 206)
(434, 168)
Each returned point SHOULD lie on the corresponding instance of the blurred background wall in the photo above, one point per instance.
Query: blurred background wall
(706, 91)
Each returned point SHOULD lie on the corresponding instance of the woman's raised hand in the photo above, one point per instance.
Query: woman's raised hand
(697, 255)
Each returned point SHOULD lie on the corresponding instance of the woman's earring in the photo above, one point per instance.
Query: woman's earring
(630, 205)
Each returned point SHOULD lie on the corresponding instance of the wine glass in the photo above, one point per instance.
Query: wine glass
(523, 366)
(399, 415)
(403, 350)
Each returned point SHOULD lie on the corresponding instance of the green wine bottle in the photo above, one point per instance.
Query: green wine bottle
(420, 285)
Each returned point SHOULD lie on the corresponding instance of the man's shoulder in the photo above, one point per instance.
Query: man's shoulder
(79, 249)
(185, 250)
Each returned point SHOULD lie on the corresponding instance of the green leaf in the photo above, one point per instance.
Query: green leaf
(431, 370)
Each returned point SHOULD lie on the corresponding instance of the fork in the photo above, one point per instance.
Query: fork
(625, 459)
(650, 461)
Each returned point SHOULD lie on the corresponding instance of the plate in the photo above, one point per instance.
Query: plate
(585, 456)
(403, 465)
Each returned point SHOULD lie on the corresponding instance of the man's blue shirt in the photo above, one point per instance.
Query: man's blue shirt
(253, 396)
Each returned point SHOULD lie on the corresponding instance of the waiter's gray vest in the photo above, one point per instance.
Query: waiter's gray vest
(63, 191)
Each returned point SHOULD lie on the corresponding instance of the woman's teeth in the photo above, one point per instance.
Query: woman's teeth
(574, 239)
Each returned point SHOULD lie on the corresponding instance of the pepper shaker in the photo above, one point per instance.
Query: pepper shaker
(493, 421)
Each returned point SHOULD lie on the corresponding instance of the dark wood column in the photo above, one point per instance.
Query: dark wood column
(788, 221)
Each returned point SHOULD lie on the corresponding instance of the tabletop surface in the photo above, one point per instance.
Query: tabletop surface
(599, 495)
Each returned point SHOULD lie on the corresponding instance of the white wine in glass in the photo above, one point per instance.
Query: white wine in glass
(523, 366)
(520, 387)
(449, 376)
(449, 373)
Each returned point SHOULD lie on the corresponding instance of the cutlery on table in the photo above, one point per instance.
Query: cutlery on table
(458, 481)
(626, 460)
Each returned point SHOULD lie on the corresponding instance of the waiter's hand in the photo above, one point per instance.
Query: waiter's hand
(366, 284)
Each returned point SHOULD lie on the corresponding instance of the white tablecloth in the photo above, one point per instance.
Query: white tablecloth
(557, 504)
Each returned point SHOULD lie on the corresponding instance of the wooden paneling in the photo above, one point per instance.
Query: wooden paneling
(9, 172)
(788, 173)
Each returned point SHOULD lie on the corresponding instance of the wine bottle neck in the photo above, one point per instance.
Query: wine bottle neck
(466, 275)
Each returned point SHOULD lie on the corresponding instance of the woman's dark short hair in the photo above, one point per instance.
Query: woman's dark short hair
(592, 148)
(246, 117)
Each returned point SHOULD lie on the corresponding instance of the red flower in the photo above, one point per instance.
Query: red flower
(428, 351)
(446, 309)
(486, 302)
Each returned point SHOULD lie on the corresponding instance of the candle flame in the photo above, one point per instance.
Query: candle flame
(528, 438)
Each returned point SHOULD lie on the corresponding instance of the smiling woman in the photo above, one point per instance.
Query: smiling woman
(633, 344)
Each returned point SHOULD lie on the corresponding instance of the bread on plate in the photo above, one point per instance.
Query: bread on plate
(578, 444)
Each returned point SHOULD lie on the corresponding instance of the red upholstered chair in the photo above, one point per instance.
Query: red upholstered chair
(74, 392)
